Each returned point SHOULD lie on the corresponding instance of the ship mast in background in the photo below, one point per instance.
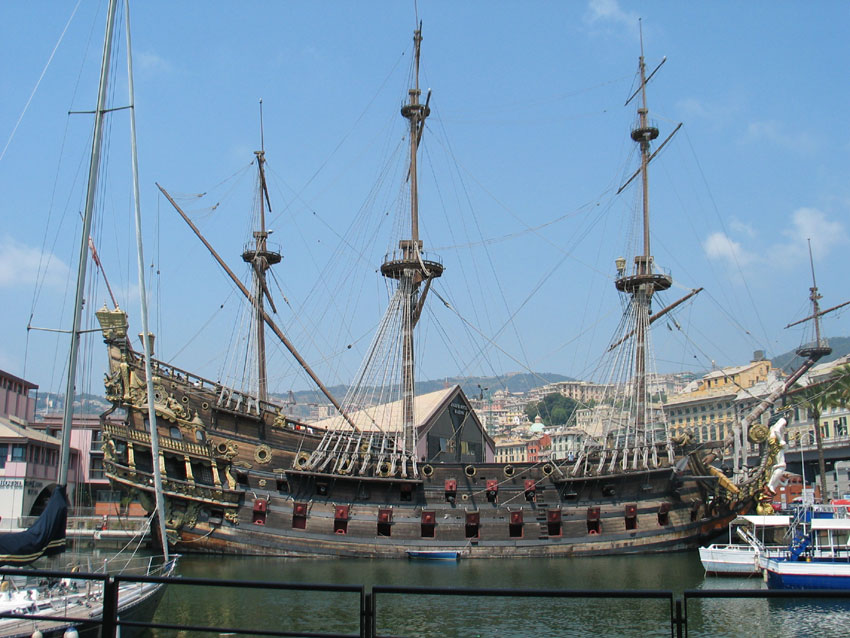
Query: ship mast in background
(409, 268)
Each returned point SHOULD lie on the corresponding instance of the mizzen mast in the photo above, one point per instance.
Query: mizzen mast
(408, 266)
(261, 259)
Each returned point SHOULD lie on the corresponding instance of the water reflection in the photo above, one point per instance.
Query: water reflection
(474, 617)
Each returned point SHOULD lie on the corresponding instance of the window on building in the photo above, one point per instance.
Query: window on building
(4, 453)
(96, 469)
(19, 452)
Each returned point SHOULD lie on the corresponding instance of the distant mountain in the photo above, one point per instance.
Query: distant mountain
(513, 382)
(88, 404)
(472, 386)
(788, 361)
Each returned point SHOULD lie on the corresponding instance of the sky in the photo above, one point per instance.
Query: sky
(524, 150)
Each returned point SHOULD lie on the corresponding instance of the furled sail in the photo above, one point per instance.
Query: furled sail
(45, 538)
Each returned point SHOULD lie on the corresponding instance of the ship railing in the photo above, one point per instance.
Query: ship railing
(373, 613)
(247, 404)
(165, 442)
(398, 255)
(163, 369)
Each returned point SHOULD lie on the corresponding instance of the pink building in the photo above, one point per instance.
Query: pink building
(28, 456)
(15, 397)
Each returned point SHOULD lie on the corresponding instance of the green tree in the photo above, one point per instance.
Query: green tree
(820, 397)
(554, 409)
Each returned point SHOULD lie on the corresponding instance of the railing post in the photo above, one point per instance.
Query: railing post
(680, 624)
(367, 616)
(109, 620)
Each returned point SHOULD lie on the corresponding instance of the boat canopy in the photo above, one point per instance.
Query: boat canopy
(831, 523)
(763, 521)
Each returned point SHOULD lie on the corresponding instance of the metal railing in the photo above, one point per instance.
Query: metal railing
(368, 606)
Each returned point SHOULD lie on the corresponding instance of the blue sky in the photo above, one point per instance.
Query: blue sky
(525, 147)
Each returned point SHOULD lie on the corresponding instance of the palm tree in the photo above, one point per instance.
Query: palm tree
(817, 398)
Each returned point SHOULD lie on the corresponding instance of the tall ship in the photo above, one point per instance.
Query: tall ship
(416, 475)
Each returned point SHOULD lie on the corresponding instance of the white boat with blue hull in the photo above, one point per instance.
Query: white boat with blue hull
(818, 559)
(742, 559)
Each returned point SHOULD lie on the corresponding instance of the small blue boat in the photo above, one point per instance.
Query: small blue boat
(819, 559)
(429, 554)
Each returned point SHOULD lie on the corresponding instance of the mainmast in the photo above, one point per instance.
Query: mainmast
(261, 259)
(643, 283)
(410, 268)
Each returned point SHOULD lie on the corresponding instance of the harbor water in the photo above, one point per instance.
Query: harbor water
(485, 616)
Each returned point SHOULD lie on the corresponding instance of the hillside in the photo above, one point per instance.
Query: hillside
(787, 361)
(472, 386)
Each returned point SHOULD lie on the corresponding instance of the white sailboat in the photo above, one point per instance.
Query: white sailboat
(69, 606)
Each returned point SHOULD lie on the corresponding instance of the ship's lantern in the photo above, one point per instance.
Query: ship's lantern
(451, 490)
(553, 522)
(259, 511)
(341, 512)
(492, 490)
(530, 489)
(385, 521)
(515, 526)
(664, 514)
(299, 515)
(473, 524)
(594, 525)
(428, 524)
(631, 516)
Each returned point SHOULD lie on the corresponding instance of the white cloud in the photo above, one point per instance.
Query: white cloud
(742, 227)
(720, 247)
(609, 12)
(716, 113)
(804, 224)
(810, 223)
(781, 135)
(149, 62)
(22, 265)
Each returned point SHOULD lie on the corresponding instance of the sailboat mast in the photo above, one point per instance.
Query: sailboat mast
(91, 191)
(158, 467)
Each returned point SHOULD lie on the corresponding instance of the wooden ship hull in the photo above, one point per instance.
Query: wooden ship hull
(232, 484)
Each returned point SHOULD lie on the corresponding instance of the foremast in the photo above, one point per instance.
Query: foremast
(409, 267)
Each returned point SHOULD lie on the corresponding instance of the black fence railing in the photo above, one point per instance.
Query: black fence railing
(370, 609)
